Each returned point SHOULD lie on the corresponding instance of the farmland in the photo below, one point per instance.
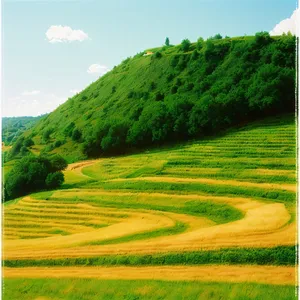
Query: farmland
(216, 218)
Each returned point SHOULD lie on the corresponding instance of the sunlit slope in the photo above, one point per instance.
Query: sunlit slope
(237, 190)
(172, 95)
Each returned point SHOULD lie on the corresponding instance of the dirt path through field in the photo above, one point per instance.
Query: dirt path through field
(76, 168)
(258, 274)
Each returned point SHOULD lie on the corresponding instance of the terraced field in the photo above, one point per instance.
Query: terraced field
(212, 211)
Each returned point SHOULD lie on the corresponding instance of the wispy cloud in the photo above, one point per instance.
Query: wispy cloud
(59, 34)
(30, 93)
(32, 106)
(97, 69)
(287, 25)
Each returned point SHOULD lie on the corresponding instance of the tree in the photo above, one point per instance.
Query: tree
(76, 135)
(167, 42)
(185, 45)
(200, 43)
(57, 163)
(217, 36)
(33, 173)
(262, 38)
(115, 140)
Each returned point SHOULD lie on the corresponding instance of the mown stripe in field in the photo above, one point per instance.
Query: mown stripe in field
(262, 274)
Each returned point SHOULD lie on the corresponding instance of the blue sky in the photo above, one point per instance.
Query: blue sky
(39, 74)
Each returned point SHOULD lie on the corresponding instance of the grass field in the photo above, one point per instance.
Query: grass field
(223, 208)
(89, 289)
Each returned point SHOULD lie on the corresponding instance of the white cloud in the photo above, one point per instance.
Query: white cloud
(26, 106)
(58, 34)
(30, 93)
(286, 25)
(97, 69)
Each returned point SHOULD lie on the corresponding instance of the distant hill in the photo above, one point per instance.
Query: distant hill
(173, 93)
(13, 127)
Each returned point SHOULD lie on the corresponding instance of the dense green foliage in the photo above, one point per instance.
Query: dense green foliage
(179, 92)
(13, 127)
(33, 173)
(90, 289)
(281, 255)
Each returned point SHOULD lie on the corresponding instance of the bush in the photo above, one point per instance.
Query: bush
(130, 94)
(69, 129)
(76, 135)
(159, 96)
(174, 89)
(170, 77)
(58, 143)
(195, 55)
(152, 86)
(157, 54)
(174, 61)
(28, 142)
(200, 43)
(46, 134)
(185, 45)
(54, 180)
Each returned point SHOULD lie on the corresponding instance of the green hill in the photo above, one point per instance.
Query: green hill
(13, 127)
(173, 93)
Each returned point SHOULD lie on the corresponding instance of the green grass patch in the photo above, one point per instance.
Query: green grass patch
(281, 255)
(58, 231)
(91, 289)
(211, 189)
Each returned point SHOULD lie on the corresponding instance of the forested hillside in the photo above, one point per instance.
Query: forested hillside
(174, 93)
(13, 127)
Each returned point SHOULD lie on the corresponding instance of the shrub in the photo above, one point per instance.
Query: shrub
(130, 94)
(185, 45)
(195, 55)
(159, 96)
(69, 129)
(174, 61)
(46, 134)
(28, 142)
(76, 135)
(54, 180)
(174, 89)
(152, 86)
(157, 54)
(200, 43)
(170, 77)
